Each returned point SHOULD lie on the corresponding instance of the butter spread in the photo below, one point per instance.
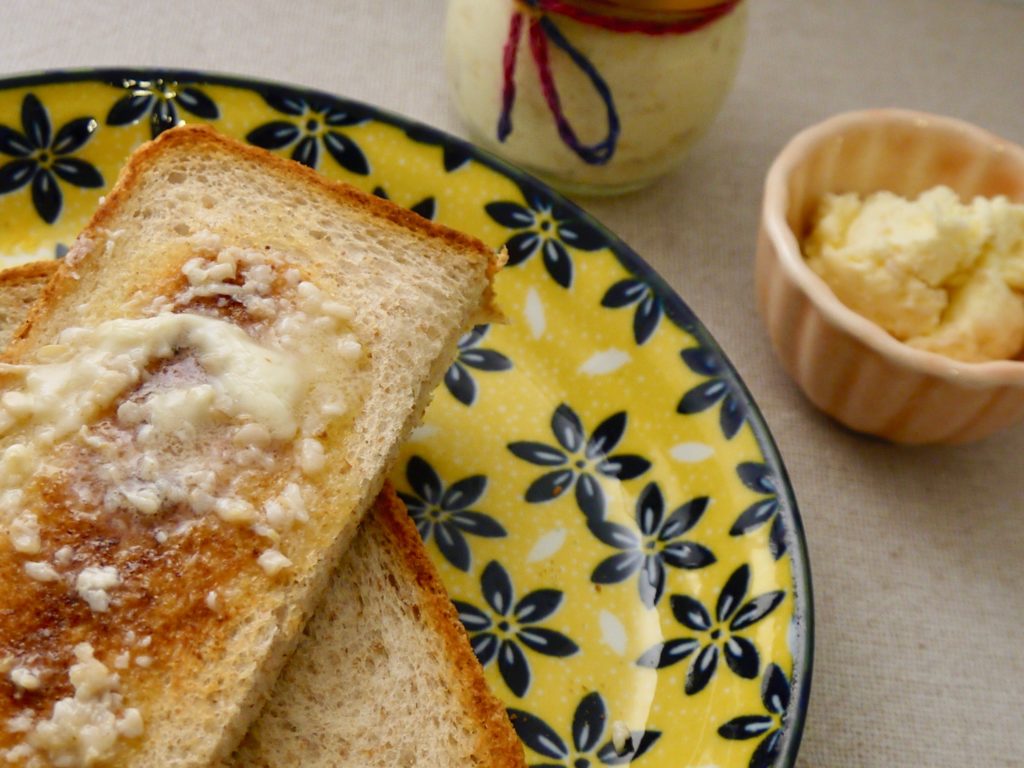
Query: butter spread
(84, 727)
(25, 679)
(92, 584)
(25, 534)
(172, 415)
(936, 273)
(90, 367)
(38, 570)
(273, 562)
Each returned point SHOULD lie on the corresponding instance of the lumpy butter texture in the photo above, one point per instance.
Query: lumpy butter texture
(131, 445)
(93, 365)
(936, 273)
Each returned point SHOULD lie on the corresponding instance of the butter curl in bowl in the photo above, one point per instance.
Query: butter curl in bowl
(890, 271)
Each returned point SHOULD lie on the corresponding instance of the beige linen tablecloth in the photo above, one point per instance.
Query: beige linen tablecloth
(916, 553)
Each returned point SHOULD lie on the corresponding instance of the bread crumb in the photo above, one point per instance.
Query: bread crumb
(266, 532)
(92, 585)
(130, 724)
(25, 678)
(273, 562)
(25, 534)
(349, 348)
(234, 510)
(41, 571)
(311, 456)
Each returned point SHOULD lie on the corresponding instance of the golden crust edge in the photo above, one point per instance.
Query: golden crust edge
(497, 744)
(195, 135)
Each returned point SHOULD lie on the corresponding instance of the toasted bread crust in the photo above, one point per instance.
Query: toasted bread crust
(20, 287)
(29, 272)
(196, 137)
(497, 743)
(387, 588)
(197, 704)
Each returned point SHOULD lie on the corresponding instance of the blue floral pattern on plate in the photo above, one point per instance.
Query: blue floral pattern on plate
(659, 543)
(543, 225)
(510, 628)
(159, 99)
(768, 727)
(758, 477)
(716, 389)
(579, 459)
(310, 126)
(42, 157)
(590, 726)
(444, 513)
(732, 615)
(632, 292)
(458, 379)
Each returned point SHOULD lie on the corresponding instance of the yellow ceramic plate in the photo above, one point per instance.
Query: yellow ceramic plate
(601, 496)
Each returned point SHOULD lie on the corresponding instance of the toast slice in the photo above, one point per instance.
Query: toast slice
(227, 327)
(384, 673)
(20, 288)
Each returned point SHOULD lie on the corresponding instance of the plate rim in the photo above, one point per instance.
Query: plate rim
(675, 307)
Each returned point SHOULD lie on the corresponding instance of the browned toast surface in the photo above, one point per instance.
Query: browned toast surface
(384, 621)
(153, 582)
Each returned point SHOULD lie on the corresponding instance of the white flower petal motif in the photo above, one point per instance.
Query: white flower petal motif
(547, 545)
(534, 312)
(605, 361)
(691, 453)
(613, 634)
(423, 433)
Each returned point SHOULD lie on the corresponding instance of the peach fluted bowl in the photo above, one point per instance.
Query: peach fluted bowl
(845, 364)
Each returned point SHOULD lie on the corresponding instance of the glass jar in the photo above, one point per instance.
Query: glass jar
(593, 96)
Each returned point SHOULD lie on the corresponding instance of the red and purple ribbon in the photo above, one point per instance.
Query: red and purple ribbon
(542, 30)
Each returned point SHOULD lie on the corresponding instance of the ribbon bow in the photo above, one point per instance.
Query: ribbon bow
(543, 29)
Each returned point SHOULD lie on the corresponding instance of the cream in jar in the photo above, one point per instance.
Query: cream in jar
(591, 97)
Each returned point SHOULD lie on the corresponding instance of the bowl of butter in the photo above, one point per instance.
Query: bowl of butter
(890, 274)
